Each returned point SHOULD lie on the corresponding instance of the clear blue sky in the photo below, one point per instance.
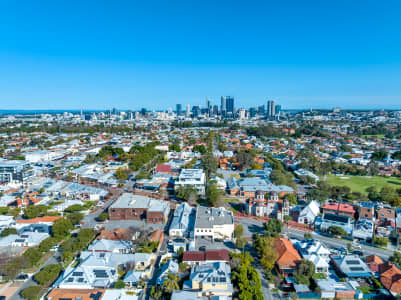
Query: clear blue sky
(132, 54)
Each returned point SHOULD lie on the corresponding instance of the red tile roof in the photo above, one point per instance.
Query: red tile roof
(209, 255)
(288, 257)
(390, 276)
(193, 256)
(340, 207)
(218, 255)
(46, 219)
(163, 168)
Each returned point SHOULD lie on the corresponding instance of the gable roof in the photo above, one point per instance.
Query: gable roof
(210, 255)
(85, 294)
(287, 255)
(373, 259)
(390, 276)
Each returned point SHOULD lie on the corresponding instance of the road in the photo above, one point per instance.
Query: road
(162, 251)
(52, 260)
(252, 226)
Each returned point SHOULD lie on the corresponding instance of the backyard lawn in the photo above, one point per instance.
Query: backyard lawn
(360, 183)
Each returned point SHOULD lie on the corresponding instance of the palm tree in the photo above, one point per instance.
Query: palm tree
(171, 283)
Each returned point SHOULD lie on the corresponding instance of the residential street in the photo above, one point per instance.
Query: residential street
(252, 226)
(52, 260)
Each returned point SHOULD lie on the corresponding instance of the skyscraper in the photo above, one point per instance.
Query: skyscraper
(223, 107)
(208, 106)
(196, 111)
(261, 110)
(230, 105)
(271, 108)
(278, 109)
(178, 109)
(215, 110)
(188, 113)
(252, 112)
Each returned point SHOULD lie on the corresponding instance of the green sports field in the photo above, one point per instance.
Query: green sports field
(360, 183)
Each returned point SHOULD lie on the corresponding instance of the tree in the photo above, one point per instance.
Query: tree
(61, 228)
(174, 147)
(336, 230)
(8, 231)
(238, 231)
(245, 159)
(74, 208)
(379, 155)
(246, 278)
(380, 241)
(212, 194)
(171, 283)
(103, 217)
(47, 244)
(15, 265)
(308, 236)
(75, 218)
(395, 258)
(119, 284)
(156, 293)
(209, 164)
(33, 211)
(268, 255)
(33, 255)
(292, 198)
(122, 174)
(396, 155)
(67, 257)
(48, 274)
(32, 292)
(273, 227)
(304, 271)
(199, 148)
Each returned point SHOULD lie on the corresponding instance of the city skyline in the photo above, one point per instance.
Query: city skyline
(100, 55)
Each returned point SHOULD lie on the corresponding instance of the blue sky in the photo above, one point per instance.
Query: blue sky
(133, 54)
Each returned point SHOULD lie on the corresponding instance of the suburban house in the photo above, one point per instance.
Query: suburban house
(102, 245)
(288, 257)
(386, 214)
(183, 221)
(390, 277)
(194, 258)
(351, 266)
(367, 210)
(137, 207)
(210, 280)
(193, 178)
(333, 289)
(170, 266)
(100, 269)
(341, 209)
(363, 229)
(329, 220)
(83, 294)
(315, 252)
(373, 262)
(214, 223)
(309, 213)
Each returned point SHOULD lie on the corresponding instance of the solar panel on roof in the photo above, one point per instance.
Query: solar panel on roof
(96, 296)
(356, 269)
(77, 274)
(100, 273)
(352, 262)
(80, 279)
(222, 279)
(70, 279)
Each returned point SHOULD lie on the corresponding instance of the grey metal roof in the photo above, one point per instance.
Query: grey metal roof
(207, 217)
